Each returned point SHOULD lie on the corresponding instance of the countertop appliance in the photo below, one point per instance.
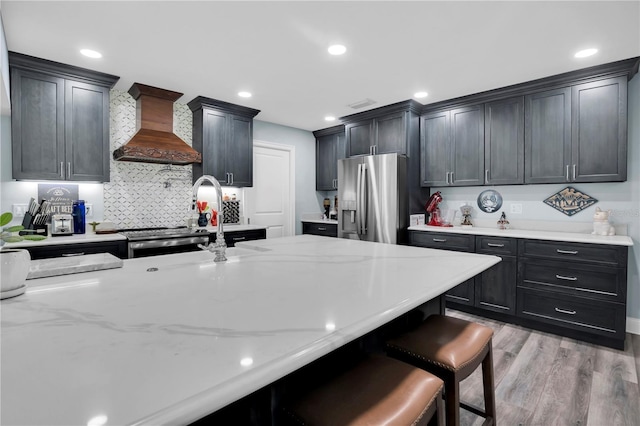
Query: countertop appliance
(61, 224)
(373, 196)
(145, 242)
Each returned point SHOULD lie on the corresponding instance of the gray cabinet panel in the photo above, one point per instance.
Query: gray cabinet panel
(467, 146)
(86, 132)
(359, 138)
(330, 147)
(504, 142)
(37, 125)
(391, 134)
(599, 131)
(240, 151)
(496, 287)
(213, 146)
(548, 136)
(434, 149)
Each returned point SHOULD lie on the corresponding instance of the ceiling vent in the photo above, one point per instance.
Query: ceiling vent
(155, 141)
(362, 104)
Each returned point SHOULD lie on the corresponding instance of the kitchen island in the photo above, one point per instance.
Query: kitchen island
(169, 339)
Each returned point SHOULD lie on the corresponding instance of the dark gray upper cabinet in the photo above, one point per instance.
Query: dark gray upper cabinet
(59, 121)
(330, 147)
(570, 127)
(382, 130)
(548, 136)
(223, 133)
(599, 131)
(504, 142)
(452, 147)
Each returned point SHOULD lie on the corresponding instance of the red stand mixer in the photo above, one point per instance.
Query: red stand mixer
(434, 211)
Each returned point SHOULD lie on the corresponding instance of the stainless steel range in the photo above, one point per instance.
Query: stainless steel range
(155, 241)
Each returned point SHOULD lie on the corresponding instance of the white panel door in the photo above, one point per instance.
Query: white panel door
(270, 202)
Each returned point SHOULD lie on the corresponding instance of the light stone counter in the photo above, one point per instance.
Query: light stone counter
(170, 346)
(89, 237)
(619, 240)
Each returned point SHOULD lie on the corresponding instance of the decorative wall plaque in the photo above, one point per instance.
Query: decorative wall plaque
(570, 201)
(489, 201)
(60, 196)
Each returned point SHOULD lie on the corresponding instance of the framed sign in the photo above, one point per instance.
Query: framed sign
(60, 196)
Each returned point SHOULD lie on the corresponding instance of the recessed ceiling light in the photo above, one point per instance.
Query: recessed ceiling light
(329, 118)
(91, 53)
(244, 94)
(420, 95)
(586, 52)
(337, 49)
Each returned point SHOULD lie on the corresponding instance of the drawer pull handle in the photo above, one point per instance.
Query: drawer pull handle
(567, 251)
(439, 240)
(563, 311)
(320, 228)
(495, 245)
(72, 254)
(239, 238)
(562, 277)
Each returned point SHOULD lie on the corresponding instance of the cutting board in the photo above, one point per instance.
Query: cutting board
(72, 265)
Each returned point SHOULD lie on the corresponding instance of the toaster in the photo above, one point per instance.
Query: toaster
(61, 224)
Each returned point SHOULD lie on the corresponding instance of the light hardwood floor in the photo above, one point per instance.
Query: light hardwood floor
(548, 380)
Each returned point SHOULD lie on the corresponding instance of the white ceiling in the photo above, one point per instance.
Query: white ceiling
(277, 50)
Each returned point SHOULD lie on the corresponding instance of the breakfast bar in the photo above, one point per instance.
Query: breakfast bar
(170, 339)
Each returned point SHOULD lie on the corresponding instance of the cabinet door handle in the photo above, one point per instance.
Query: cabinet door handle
(68, 170)
(562, 277)
(439, 240)
(486, 175)
(567, 177)
(72, 254)
(320, 228)
(446, 178)
(452, 180)
(495, 245)
(567, 251)
(231, 174)
(564, 311)
(574, 172)
(62, 170)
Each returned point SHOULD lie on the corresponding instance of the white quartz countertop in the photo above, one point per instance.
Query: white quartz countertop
(175, 344)
(619, 240)
(325, 221)
(89, 237)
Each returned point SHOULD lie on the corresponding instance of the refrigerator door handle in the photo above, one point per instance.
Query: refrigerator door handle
(364, 201)
(358, 197)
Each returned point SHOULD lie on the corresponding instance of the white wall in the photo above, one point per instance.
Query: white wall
(307, 200)
(622, 198)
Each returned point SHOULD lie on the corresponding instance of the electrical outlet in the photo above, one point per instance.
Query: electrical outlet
(516, 208)
(88, 210)
(19, 210)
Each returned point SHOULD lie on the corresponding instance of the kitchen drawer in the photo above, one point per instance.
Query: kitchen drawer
(574, 252)
(496, 245)
(594, 281)
(462, 293)
(231, 238)
(593, 316)
(442, 240)
(116, 248)
(323, 229)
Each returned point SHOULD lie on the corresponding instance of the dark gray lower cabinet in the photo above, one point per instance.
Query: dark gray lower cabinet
(314, 228)
(577, 290)
(116, 248)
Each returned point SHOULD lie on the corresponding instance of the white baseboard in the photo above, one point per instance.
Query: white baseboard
(633, 325)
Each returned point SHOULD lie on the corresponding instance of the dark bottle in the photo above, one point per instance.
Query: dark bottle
(79, 220)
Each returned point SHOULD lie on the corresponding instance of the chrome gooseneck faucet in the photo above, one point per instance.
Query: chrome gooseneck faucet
(220, 245)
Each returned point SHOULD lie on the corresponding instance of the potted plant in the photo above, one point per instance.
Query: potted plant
(14, 263)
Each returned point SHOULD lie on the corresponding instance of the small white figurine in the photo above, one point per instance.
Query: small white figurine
(601, 225)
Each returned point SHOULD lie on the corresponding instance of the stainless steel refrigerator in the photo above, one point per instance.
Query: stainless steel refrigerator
(372, 198)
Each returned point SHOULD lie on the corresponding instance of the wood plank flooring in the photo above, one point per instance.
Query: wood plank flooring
(548, 380)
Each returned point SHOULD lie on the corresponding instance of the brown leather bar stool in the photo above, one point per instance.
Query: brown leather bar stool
(377, 391)
(451, 349)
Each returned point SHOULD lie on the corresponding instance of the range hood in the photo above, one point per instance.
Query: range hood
(154, 141)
